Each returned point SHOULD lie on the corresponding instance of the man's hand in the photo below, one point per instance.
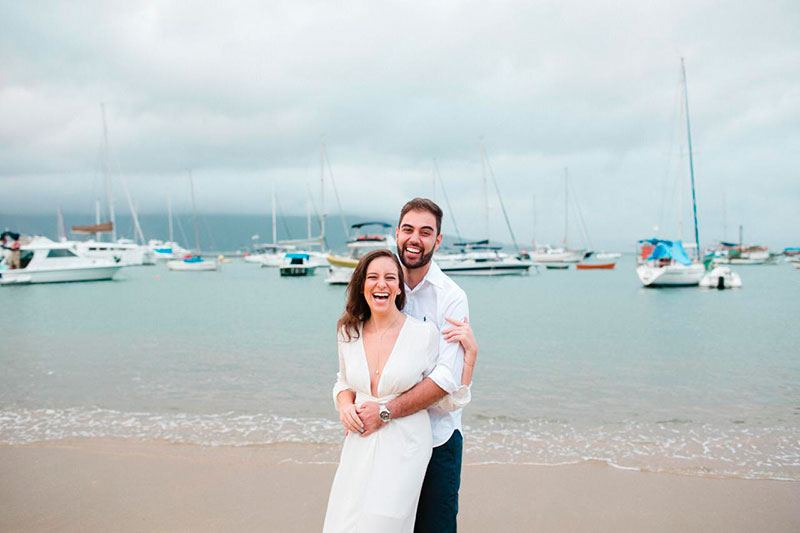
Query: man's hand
(462, 332)
(369, 413)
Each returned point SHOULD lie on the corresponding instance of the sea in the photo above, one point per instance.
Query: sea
(573, 366)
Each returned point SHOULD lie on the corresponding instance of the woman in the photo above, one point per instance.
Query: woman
(382, 353)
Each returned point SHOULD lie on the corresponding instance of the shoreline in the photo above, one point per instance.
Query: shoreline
(119, 485)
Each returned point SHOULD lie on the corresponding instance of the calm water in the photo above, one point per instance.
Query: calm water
(573, 366)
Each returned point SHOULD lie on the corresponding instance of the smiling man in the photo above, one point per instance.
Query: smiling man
(431, 296)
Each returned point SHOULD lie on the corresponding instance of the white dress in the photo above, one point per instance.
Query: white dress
(378, 482)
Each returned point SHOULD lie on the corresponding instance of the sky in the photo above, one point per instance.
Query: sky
(243, 95)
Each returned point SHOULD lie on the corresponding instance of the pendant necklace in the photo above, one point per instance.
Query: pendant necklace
(380, 337)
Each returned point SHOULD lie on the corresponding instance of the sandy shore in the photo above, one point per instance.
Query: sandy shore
(125, 486)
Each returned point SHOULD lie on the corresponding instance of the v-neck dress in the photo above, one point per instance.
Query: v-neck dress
(378, 482)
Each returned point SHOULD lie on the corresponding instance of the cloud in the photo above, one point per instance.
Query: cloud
(243, 96)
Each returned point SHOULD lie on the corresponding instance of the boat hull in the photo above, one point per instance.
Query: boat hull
(721, 278)
(296, 271)
(595, 266)
(670, 275)
(60, 275)
(182, 266)
(485, 269)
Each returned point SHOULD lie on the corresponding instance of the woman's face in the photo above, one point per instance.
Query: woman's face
(382, 284)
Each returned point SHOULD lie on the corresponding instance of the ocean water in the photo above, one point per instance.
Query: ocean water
(573, 366)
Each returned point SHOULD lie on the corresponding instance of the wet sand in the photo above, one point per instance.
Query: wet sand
(126, 486)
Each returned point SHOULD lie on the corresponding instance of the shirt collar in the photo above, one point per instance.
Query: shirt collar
(434, 276)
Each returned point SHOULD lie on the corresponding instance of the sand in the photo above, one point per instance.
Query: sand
(125, 486)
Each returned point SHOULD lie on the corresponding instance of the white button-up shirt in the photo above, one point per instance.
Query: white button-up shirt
(435, 298)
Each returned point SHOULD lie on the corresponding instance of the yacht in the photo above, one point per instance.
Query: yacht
(46, 261)
(124, 251)
(480, 259)
(342, 266)
(545, 255)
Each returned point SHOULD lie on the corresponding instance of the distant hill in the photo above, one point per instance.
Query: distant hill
(226, 233)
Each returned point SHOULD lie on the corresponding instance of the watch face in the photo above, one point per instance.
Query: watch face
(385, 416)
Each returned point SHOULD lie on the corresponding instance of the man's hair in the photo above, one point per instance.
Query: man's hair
(423, 204)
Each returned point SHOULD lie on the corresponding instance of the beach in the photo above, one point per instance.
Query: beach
(115, 485)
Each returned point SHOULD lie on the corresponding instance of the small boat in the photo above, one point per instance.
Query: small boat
(297, 264)
(548, 255)
(721, 277)
(791, 251)
(480, 259)
(192, 264)
(46, 261)
(599, 261)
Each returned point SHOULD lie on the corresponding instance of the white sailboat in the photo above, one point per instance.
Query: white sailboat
(366, 239)
(195, 263)
(664, 263)
(479, 258)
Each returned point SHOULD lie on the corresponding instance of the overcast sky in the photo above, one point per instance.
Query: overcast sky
(242, 93)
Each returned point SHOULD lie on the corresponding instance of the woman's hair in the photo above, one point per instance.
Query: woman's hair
(356, 309)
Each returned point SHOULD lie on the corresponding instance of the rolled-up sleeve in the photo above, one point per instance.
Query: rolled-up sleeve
(341, 376)
(450, 361)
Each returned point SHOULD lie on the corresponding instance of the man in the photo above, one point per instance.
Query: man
(431, 296)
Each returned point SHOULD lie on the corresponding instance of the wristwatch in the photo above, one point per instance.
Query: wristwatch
(385, 414)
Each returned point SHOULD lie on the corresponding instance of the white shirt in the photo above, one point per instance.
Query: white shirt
(435, 298)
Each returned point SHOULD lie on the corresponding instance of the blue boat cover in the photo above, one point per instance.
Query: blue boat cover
(669, 249)
(195, 259)
(297, 256)
(164, 250)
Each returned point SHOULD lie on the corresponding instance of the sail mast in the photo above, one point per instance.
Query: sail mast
(566, 205)
(169, 216)
(109, 192)
(194, 215)
(485, 191)
(274, 217)
(691, 157)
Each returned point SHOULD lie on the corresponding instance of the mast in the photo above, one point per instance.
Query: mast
(446, 199)
(691, 157)
(97, 218)
(109, 192)
(274, 217)
(169, 217)
(194, 215)
(308, 213)
(485, 191)
(62, 232)
(566, 205)
(535, 223)
(724, 217)
(322, 214)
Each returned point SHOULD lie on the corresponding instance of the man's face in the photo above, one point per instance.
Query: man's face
(417, 239)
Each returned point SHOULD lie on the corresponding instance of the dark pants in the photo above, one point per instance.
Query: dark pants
(438, 502)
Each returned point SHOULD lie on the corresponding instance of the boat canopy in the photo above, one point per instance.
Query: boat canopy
(362, 224)
(668, 249)
(297, 256)
(195, 259)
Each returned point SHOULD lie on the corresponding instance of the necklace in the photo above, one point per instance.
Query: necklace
(381, 335)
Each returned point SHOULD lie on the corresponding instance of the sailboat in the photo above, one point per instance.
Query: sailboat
(664, 263)
(193, 263)
(480, 258)
(558, 257)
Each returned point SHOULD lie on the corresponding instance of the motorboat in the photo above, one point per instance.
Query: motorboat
(297, 264)
(479, 258)
(193, 264)
(546, 254)
(342, 266)
(663, 263)
(123, 251)
(45, 261)
(721, 277)
(599, 261)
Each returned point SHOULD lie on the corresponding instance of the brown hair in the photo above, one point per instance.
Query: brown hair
(423, 204)
(356, 310)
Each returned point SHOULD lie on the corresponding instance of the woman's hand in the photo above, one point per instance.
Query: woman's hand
(349, 418)
(462, 332)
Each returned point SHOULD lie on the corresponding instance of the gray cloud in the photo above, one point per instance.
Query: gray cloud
(241, 95)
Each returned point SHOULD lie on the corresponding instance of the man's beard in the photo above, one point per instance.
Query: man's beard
(424, 258)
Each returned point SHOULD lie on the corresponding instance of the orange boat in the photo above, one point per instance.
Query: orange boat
(589, 266)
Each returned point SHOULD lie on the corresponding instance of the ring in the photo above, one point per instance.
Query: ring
(361, 430)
